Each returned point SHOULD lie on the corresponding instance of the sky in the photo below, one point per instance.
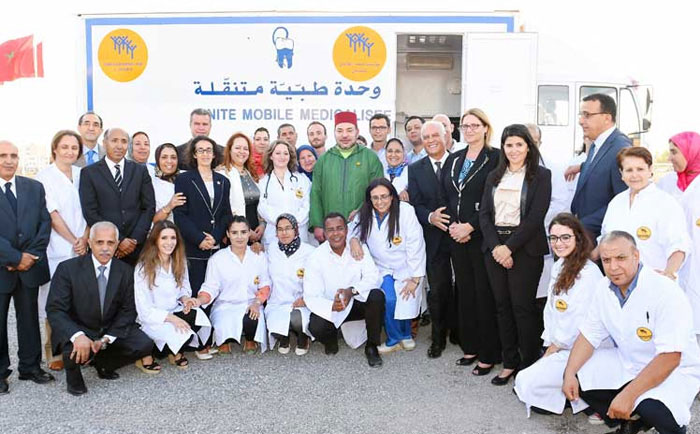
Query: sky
(654, 43)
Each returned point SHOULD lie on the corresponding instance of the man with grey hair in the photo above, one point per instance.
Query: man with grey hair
(90, 128)
(425, 191)
(288, 133)
(120, 191)
(200, 125)
(651, 377)
(25, 228)
(450, 144)
(92, 313)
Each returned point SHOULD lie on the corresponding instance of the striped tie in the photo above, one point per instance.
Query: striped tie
(118, 177)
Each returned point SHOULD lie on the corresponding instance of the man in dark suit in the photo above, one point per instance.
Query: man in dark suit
(119, 191)
(25, 228)
(600, 179)
(91, 311)
(90, 128)
(425, 191)
(200, 125)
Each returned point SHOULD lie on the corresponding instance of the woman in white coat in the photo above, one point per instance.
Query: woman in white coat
(164, 183)
(394, 238)
(68, 228)
(283, 190)
(652, 216)
(684, 156)
(237, 283)
(286, 311)
(570, 290)
(396, 167)
(166, 310)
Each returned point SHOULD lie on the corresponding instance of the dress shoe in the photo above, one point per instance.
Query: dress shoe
(106, 374)
(39, 377)
(4, 386)
(373, 357)
(75, 385)
(331, 347)
(466, 361)
(502, 381)
(435, 351)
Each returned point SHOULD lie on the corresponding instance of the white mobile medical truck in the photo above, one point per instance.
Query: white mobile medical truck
(265, 69)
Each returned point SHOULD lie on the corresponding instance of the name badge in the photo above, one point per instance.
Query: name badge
(643, 233)
(300, 273)
(299, 193)
(644, 334)
(560, 305)
(396, 240)
(256, 280)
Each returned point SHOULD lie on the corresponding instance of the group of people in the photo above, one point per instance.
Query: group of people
(268, 244)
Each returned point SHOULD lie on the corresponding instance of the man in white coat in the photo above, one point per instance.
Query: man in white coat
(654, 379)
(339, 289)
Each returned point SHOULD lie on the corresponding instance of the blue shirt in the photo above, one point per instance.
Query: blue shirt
(618, 292)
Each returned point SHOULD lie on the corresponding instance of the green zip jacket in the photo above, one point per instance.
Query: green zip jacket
(339, 183)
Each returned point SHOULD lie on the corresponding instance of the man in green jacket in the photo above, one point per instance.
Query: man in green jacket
(342, 174)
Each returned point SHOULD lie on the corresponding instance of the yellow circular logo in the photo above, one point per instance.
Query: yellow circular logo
(299, 193)
(560, 305)
(697, 222)
(256, 280)
(300, 273)
(644, 334)
(396, 240)
(643, 233)
(122, 55)
(359, 53)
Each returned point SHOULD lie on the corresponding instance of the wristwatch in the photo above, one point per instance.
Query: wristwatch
(354, 291)
(105, 342)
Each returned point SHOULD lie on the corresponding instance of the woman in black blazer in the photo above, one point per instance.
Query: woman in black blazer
(202, 219)
(515, 201)
(463, 185)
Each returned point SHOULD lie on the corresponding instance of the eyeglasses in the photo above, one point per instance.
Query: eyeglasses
(563, 238)
(467, 127)
(204, 151)
(380, 197)
(285, 229)
(378, 128)
(587, 115)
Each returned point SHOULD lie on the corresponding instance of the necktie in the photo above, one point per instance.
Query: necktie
(465, 169)
(118, 177)
(11, 197)
(102, 286)
(91, 156)
(438, 169)
(589, 160)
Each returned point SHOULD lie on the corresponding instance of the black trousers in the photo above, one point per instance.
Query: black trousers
(652, 412)
(519, 320)
(372, 311)
(249, 327)
(197, 270)
(135, 345)
(28, 334)
(441, 296)
(476, 307)
(295, 327)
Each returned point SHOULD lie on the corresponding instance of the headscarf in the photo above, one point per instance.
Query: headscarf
(309, 175)
(689, 144)
(395, 172)
(293, 246)
(257, 163)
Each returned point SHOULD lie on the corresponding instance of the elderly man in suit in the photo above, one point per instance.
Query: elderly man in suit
(119, 191)
(92, 313)
(25, 228)
(427, 197)
(90, 128)
(600, 179)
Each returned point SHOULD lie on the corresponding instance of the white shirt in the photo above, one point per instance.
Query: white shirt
(230, 280)
(441, 160)
(600, 140)
(458, 146)
(13, 187)
(655, 220)
(108, 267)
(112, 166)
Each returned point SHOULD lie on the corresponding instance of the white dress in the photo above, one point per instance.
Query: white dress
(232, 285)
(164, 191)
(655, 220)
(154, 305)
(540, 384)
(293, 198)
(655, 319)
(62, 196)
(287, 275)
(403, 257)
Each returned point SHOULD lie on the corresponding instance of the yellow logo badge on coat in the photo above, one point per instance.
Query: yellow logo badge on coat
(644, 334)
(299, 193)
(300, 273)
(358, 164)
(697, 222)
(643, 233)
(396, 240)
(560, 305)
(256, 280)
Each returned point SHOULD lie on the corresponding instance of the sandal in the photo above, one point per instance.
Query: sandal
(181, 362)
(466, 361)
(151, 368)
(480, 370)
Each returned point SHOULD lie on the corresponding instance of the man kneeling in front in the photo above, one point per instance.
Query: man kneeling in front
(339, 289)
(91, 311)
(654, 379)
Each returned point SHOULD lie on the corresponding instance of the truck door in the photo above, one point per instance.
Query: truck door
(500, 77)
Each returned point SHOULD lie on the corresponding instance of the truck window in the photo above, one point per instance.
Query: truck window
(590, 90)
(553, 105)
(627, 114)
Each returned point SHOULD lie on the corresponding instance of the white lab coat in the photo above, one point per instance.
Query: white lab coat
(655, 220)
(402, 258)
(689, 277)
(669, 184)
(232, 285)
(400, 182)
(293, 198)
(540, 384)
(326, 272)
(61, 195)
(153, 305)
(164, 191)
(287, 275)
(655, 319)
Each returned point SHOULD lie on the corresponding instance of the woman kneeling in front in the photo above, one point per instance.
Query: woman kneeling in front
(237, 284)
(166, 310)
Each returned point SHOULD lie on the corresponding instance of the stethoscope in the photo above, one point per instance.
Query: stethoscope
(267, 185)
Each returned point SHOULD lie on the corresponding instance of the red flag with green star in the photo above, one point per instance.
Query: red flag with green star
(17, 58)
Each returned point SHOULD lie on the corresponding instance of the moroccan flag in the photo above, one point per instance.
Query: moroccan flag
(17, 58)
